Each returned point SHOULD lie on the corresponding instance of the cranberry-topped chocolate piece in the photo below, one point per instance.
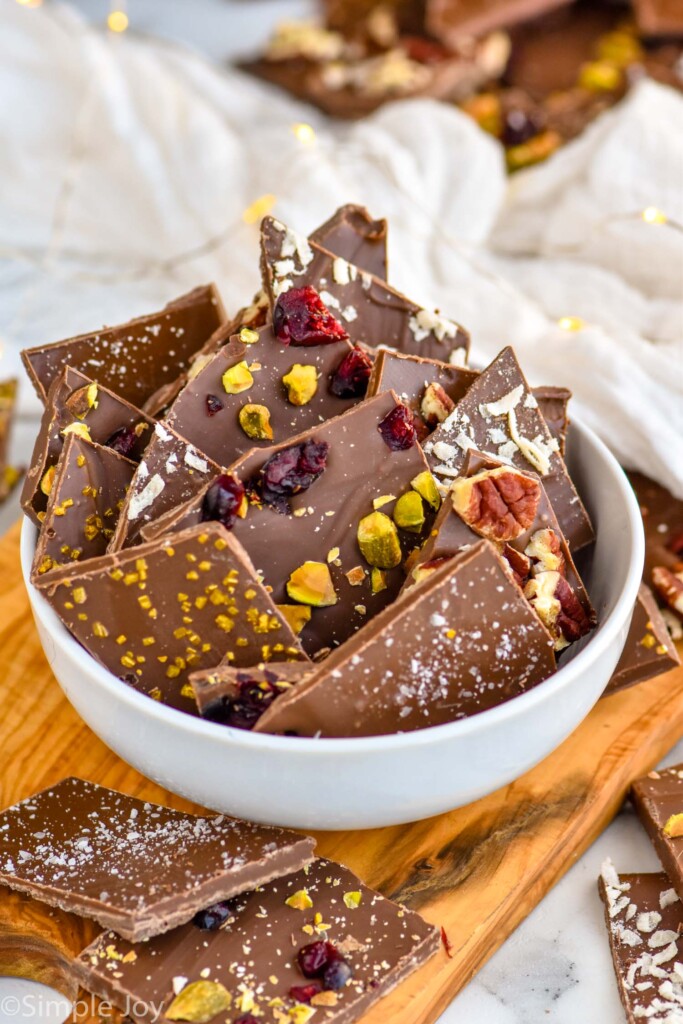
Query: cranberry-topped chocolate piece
(239, 696)
(352, 376)
(462, 641)
(154, 613)
(138, 359)
(223, 501)
(301, 318)
(370, 310)
(252, 965)
(499, 416)
(649, 650)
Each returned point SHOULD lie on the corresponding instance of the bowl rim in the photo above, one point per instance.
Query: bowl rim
(511, 709)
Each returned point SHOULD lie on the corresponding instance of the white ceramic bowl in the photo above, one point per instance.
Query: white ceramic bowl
(383, 780)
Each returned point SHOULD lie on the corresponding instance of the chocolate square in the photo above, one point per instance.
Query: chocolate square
(649, 650)
(133, 866)
(658, 799)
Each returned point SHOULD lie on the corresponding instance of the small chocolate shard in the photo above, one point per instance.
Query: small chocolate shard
(663, 523)
(658, 799)
(136, 359)
(154, 613)
(357, 237)
(140, 868)
(649, 650)
(432, 657)
(455, 21)
(239, 696)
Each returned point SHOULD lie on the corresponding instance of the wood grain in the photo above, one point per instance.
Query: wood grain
(477, 871)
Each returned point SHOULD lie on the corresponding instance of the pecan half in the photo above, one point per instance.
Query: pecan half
(545, 551)
(519, 564)
(558, 608)
(436, 405)
(669, 586)
(499, 504)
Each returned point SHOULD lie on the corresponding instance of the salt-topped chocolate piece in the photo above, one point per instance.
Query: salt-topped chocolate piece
(658, 799)
(270, 957)
(357, 237)
(456, 21)
(370, 310)
(76, 402)
(136, 359)
(239, 696)
(500, 416)
(86, 495)
(643, 917)
(171, 472)
(462, 641)
(157, 612)
(261, 393)
(649, 650)
(133, 866)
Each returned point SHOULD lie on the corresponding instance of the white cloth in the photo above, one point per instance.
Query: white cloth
(120, 156)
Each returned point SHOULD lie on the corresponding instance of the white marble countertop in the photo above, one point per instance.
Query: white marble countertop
(556, 967)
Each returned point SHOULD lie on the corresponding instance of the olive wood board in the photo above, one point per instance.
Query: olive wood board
(476, 871)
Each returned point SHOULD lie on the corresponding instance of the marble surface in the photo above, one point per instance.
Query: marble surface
(556, 967)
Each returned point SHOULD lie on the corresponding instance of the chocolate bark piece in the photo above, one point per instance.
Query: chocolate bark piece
(453, 21)
(254, 957)
(133, 866)
(500, 417)
(157, 612)
(663, 522)
(649, 650)
(643, 917)
(462, 641)
(138, 358)
(357, 237)
(658, 799)
(9, 476)
(659, 18)
(370, 310)
(553, 402)
(87, 492)
(171, 472)
(76, 399)
(291, 384)
(239, 696)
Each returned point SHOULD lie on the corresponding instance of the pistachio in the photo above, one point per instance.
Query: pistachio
(301, 383)
(80, 429)
(255, 422)
(674, 826)
(352, 900)
(312, 584)
(237, 378)
(600, 76)
(199, 1002)
(248, 336)
(425, 485)
(409, 512)
(378, 541)
(378, 581)
(295, 615)
(47, 480)
(299, 900)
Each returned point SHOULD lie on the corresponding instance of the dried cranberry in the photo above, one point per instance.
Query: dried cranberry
(291, 471)
(304, 993)
(123, 441)
(222, 501)
(213, 405)
(397, 428)
(244, 708)
(314, 958)
(422, 431)
(213, 917)
(519, 126)
(423, 50)
(301, 317)
(350, 379)
(336, 975)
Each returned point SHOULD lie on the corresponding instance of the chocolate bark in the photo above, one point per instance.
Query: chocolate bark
(643, 917)
(208, 416)
(138, 358)
(663, 523)
(500, 417)
(239, 696)
(87, 492)
(76, 399)
(461, 642)
(9, 477)
(649, 650)
(254, 956)
(135, 867)
(171, 472)
(658, 799)
(370, 310)
(157, 612)
(453, 21)
(355, 236)
(659, 18)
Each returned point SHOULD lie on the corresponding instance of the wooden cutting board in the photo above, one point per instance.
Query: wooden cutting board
(477, 871)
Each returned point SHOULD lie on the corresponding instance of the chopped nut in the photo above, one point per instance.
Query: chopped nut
(436, 406)
(600, 76)
(47, 480)
(356, 575)
(674, 826)
(80, 429)
(296, 616)
(199, 1002)
(539, 148)
(301, 383)
(299, 900)
(409, 512)
(382, 500)
(425, 569)
(378, 541)
(519, 564)
(669, 586)
(558, 608)
(352, 900)
(312, 584)
(425, 485)
(378, 581)
(248, 336)
(499, 504)
(237, 378)
(545, 551)
(255, 422)
(325, 999)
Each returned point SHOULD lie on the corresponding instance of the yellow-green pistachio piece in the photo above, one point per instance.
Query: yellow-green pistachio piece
(409, 513)
(425, 485)
(378, 541)
(237, 378)
(301, 383)
(255, 422)
(312, 584)
(199, 1002)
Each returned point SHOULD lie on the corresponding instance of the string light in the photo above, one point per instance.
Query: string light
(651, 215)
(117, 21)
(571, 323)
(304, 133)
(260, 208)
(29, 3)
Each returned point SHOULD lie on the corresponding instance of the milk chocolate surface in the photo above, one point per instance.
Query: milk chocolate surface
(239, 696)
(663, 522)
(462, 641)
(73, 399)
(208, 416)
(658, 799)
(138, 358)
(157, 612)
(649, 650)
(659, 18)
(453, 21)
(254, 957)
(500, 416)
(370, 310)
(86, 496)
(643, 917)
(136, 867)
(357, 237)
